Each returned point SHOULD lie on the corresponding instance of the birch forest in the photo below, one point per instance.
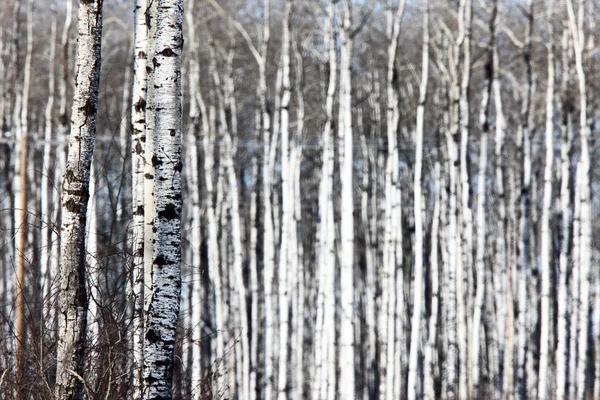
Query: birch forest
(299, 199)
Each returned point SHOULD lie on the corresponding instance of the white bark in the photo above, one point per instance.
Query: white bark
(285, 256)
(163, 307)
(346, 339)
(565, 193)
(465, 261)
(236, 235)
(196, 106)
(151, 16)
(323, 387)
(392, 253)
(545, 320)
(73, 296)
(501, 277)
(523, 245)
(585, 243)
(298, 287)
(419, 273)
(47, 246)
(93, 267)
(138, 123)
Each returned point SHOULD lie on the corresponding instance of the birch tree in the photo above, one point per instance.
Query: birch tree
(545, 233)
(138, 122)
(392, 256)
(418, 289)
(576, 27)
(75, 195)
(163, 307)
(324, 382)
(482, 284)
(345, 133)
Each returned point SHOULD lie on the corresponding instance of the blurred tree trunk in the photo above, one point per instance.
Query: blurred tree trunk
(483, 281)
(419, 273)
(566, 134)
(47, 252)
(285, 257)
(545, 318)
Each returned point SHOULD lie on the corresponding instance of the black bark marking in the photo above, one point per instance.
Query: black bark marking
(139, 210)
(169, 212)
(168, 52)
(178, 167)
(156, 162)
(89, 108)
(140, 105)
(72, 206)
(152, 336)
(69, 176)
(138, 148)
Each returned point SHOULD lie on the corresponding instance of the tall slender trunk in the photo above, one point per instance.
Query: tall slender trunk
(287, 210)
(94, 273)
(393, 214)
(431, 346)
(345, 132)
(46, 244)
(465, 261)
(503, 300)
(418, 289)
(545, 321)
(236, 233)
(138, 123)
(525, 201)
(197, 111)
(163, 307)
(22, 210)
(565, 243)
(75, 195)
(324, 381)
(482, 283)
(297, 254)
(585, 243)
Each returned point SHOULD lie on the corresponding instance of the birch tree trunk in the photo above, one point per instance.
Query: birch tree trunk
(464, 271)
(297, 253)
(346, 340)
(138, 122)
(430, 349)
(482, 280)
(392, 216)
(523, 247)
(545, 321)
(562, 359)
(163, 306)
(285, 260)
(75, 195)
(47, 245)
(418, 289)
(324, 382)
(503, 300)
(585, 243)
